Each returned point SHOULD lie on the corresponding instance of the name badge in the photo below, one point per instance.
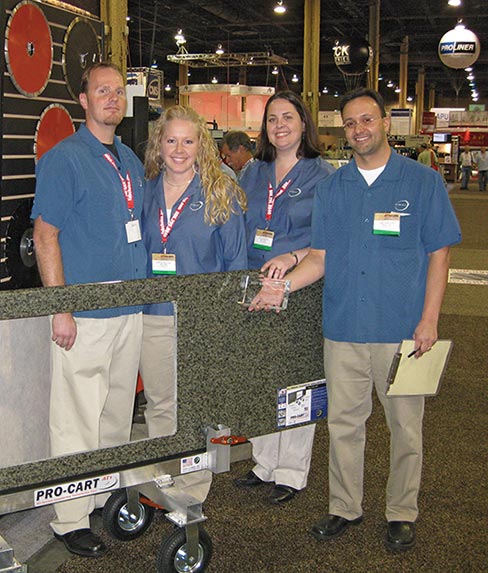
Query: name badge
(386, 224)
(163, 264)
(133, 231)
(263, 240)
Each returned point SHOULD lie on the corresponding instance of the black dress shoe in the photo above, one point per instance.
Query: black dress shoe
(83, 542)
(400, 535)
(281, 494)
(249, 480)
(332, 526)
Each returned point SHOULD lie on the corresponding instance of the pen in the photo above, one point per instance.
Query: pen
(414, 351)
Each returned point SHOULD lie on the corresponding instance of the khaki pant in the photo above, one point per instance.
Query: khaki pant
(158, 372)
(284, 457)
(351, 371)
(92, 398)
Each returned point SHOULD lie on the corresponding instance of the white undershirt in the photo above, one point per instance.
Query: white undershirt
(370, 175)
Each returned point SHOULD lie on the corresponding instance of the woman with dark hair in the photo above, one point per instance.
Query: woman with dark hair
(280, 186)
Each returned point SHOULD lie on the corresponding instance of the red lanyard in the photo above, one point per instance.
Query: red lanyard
(126, 183)
(272, 198)
(166, 229)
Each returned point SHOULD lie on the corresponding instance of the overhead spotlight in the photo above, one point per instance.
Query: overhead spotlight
(325, 90)
(470, 77)
(390, 84)
(219, 50)
(274, 71)
(454, 3)
(279, 7)
(167, 88)
(409, 98)
(397, 90)
(295, 79)
(469, 69)
(336, 94)
(214, 80)
(154, 64)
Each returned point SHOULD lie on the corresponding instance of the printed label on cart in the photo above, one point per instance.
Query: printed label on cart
(302, 403)
(194, 463)
(74, 489)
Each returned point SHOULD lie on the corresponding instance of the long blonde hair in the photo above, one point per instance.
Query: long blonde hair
(221, 192)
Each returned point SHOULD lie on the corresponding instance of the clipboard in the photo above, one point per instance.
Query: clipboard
(418, 376)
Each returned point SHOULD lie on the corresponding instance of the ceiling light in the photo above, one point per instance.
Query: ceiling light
(274, 71)
(295, 79)
(390, 84)
(454, 3)
(325, 90)
(397, 90)
(214, 80)
(167, 88)
(409, 98)
(279, 8)
(219, 50)
(154, 64)
(336, 94)
(470, 77)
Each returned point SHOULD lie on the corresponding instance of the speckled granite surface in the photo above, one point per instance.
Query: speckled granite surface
(230, 362)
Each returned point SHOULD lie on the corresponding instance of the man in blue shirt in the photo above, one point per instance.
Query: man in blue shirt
(87, 207)
(384, 224)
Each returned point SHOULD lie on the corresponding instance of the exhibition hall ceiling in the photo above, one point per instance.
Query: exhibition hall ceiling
(244, 26)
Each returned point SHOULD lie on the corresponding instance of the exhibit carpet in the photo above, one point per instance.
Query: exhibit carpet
(251, 536)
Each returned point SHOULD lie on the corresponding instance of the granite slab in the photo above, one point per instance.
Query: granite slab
(230, 362)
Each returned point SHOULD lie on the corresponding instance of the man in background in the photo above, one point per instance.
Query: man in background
(236, 150)
(482, 166)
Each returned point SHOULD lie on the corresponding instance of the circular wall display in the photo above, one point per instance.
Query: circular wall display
(54, 125)
(81, 49)
(28, 49)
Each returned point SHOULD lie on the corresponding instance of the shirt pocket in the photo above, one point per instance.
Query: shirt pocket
(409, 235)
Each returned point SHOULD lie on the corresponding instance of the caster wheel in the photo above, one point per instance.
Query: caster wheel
(173, 557)
(120, 523)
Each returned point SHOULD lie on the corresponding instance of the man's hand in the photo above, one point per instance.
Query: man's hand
(425, 336)
(64, 330)
(270, 296)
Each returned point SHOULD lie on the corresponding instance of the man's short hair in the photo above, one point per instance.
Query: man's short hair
(233, 139)
(364, 92)
(85, 78)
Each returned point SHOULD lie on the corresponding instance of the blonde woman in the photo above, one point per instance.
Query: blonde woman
(192, 223)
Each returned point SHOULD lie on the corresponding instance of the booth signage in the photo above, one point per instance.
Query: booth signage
(74, 489)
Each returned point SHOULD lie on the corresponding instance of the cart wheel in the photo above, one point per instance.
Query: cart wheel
(120, 523)
(172, 554)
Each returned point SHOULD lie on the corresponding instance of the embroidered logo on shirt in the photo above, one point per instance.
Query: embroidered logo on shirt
(402, 205)
(294, 192)
(196, 206)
